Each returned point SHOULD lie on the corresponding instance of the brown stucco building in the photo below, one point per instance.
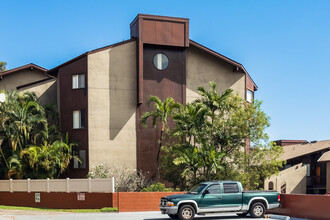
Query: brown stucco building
(101, 94)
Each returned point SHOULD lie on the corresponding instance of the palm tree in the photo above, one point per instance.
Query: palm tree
(30, 146)
(212, 99)
(162, 111)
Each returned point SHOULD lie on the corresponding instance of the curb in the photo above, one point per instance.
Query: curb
(280, 217)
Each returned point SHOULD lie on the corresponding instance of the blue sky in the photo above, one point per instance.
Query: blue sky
(284, 45)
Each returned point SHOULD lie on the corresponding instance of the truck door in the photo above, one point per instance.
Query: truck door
(211, 197)
(231, 197)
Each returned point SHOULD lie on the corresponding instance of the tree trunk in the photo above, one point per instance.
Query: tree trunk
(158, 153)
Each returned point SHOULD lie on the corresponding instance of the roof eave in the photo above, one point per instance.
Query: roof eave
(27, 66)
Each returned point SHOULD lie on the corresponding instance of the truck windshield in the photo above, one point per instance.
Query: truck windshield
(197, 189)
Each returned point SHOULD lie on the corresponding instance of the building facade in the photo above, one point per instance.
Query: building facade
(101, 94)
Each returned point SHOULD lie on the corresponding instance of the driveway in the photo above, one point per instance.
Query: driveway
(33, 215)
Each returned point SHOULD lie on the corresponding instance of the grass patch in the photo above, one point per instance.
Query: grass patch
(105, 209)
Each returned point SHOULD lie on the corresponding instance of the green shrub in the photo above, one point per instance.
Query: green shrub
(158, 187)
(108, 209)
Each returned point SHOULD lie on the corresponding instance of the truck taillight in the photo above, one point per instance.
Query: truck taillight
(279, 198)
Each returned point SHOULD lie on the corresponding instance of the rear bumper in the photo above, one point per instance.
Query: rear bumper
(169, 210)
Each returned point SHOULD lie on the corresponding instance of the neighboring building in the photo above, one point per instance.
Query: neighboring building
(290, 180)
(315, 157)
(32, 78)
(101, 94)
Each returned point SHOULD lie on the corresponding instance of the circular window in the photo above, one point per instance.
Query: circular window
(160, 61)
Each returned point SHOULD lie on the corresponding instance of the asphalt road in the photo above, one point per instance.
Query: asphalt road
(33, 215)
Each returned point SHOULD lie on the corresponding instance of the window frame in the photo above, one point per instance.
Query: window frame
(216, 184)
(79, 77)
(81, 118)
(76, 164)
(160, 54)
(224, 190)
(247, 96)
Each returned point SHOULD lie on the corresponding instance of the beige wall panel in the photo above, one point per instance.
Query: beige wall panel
(294, 178)
(11, 81)
(46, 91)
(203, 68)
(112, 106)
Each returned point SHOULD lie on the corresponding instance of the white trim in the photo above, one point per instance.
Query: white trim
(191, 201)
(258, 198)
(222, 209)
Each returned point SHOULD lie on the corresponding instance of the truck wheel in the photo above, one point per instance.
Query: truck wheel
(186, 212)
(257, 210)
(173, 216)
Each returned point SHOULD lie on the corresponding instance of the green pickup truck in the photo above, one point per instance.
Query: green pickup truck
(217, 197)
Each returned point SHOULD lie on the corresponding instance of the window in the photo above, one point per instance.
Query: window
(160, 61)
(270, 185)
(78, 81)
(81, 155)
(249, 96)
(283, 187)
(79, 120)
(308, 166)
(230, 188)
(214, 189)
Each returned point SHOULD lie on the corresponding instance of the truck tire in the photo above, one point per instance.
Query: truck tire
(257, 210)
(172, 216)
(186, 212)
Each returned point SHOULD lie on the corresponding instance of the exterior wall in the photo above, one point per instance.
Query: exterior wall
(74, 99)
(141, 201)
(203, 68)
(294, 178)
(46, 91)
(304, 206)
(112, 95)
(59, 200)
(11, 81)
(169, 82)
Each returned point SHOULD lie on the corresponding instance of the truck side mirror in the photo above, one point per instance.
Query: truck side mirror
(206, 192)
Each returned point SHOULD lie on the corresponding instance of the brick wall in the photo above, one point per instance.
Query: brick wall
(141, 201)
(125, 201)
(59, 200)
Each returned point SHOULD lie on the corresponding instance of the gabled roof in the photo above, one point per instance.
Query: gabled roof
(54, 70)
(298, 150)
(30, 66)
(237, 65)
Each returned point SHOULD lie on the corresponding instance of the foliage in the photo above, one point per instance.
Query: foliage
(126, 180)
(31, 147)
(158, 187)
(259, 164)
(161, 112)
(209, 140)
(2, 66)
